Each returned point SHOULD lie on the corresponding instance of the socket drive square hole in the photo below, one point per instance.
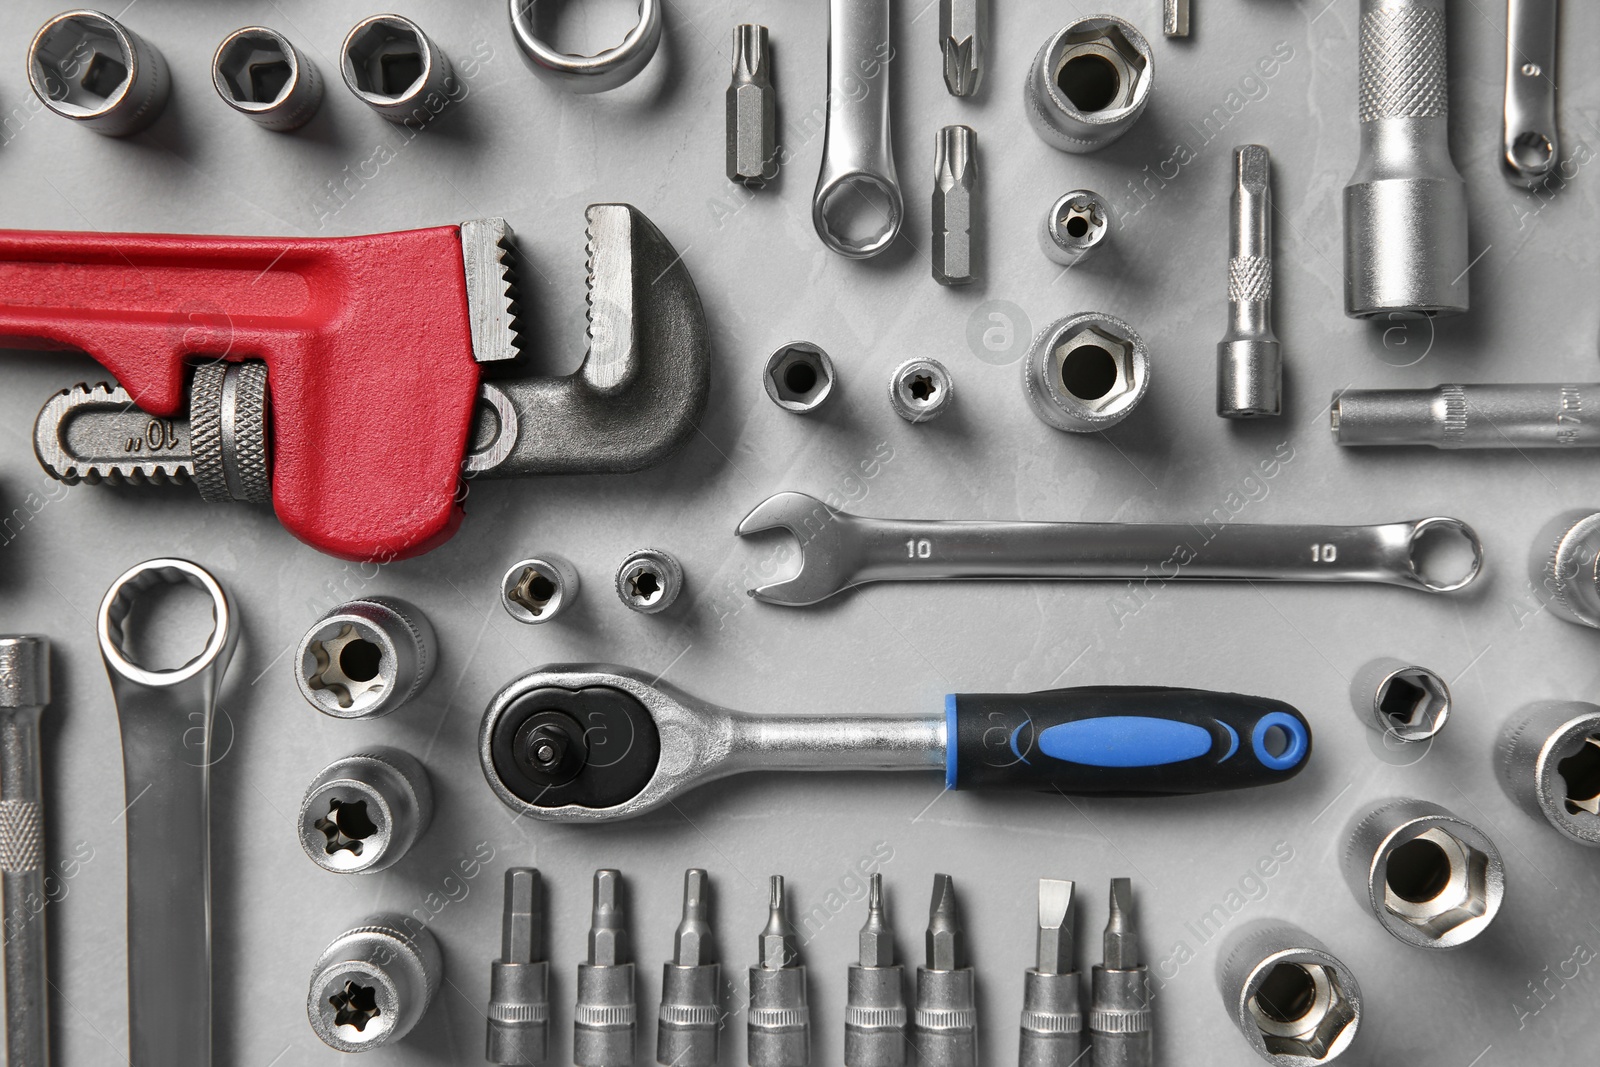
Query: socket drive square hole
(388, 58)
(1413, 702)
(255, 69)
(1581, 773)
(82, 64)
(533, 591)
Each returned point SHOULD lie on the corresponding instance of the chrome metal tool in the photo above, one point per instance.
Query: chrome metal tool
(857, 208)
(1249, 359)
(24, 692)
(1532, 145)
(778, 1025)
(1052, 1009)
(690, 1019)
(1493, 415)
(752, 110)
(607, 69)
(961, 41)
(944, 1027)
(518, 1031)
(1296, 1003)
(1120, 1020)
(840, 551)
(875, 1008)
(605, 1016)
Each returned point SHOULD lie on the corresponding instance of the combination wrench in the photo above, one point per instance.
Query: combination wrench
(857, 207)
(596, 743)
(1531, 147)
(839, 551)
(165, 718)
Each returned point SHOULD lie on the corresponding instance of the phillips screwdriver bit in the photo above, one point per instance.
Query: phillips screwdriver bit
(779, 1024)
(945, 1026)
(961, 40)
(519, 981)
(752, 110)
(603, 1018)
(691, 1017)
(1119, 1004)
(1052, 1017)
(875, 1008)
(955, 182)
(1249, 360)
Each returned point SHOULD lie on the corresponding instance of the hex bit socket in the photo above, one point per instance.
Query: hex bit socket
(1249, 359)
(1548, 758)
(605, 1014)
(1405, 208)
(1120, 1020)
(690, 1019)
(752, 110)
(518, 1024)
(1052, 1010)
(778, 1027)
(944, 1028)
(1296, 1003)
(875, 1004)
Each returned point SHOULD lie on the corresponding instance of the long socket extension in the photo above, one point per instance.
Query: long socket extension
(1120, 1022)
(1052, 1012)
(604, 1019)
(778, 1026)
(944, 1029)
(1249, 359)
(690, 1019)
(875, 1005)
(24, 692)
(1542, 415)
(518, 1033)
(1405, 208)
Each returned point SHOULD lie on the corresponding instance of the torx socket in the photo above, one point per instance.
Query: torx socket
(1548, 759)
(690, 1019)
(1089, 84)
(944, 1028)
(875, 1000)
(1075, 228)
(371, 985)
(1086, 372)
(604, 1016)
(1052, 1010)
(1565, 566)
(366, 658)
(396, 70)
(1296, 1003)
(920, 390)
(1431, 879)
(778, 1026)
(518, 1025)
(955, 185)
(365, 811)
(962, 30)
(24, 693)
(88, 67)
(649, 581)
(1120, 1020)
(1553, 415)
(1400, 699)
(1249, 361)
(1405, 208)
(260, 74)
(752, 110)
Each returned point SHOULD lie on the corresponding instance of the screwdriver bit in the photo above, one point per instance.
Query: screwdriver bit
(779, 1025)
(603, 1018)
(961, 41)
(1052, 1017)
(1249, 360)
(955, 182)
(691, 1017)
(752, 110)
(1175, 18)
(945, 1026)
(519, 981)
(875, 1008)
(1119, 1004)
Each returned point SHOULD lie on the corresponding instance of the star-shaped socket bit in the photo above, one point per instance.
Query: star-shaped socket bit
(355, 1005)
(346, 826)
(348, 666)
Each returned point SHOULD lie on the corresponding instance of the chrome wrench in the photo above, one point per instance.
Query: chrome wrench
(839, 551)
(1532, 146)
(165, 717)
(857, 208)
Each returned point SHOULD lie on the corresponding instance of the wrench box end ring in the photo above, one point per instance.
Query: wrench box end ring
(1420, 531)
(861, 184)
(123, 594)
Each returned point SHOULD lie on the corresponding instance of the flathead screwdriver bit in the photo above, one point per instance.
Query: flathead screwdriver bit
(1249, 359)
(955, 183)
(1052, 1015)
(778, 1029)
(945, 1027)
(752, 110)
(519, 981)
(603, 1019)
(875, 1008)
(1119, 1000)
(691, 1016)
(961, 34)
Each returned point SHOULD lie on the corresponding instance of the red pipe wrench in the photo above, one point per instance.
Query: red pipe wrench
(372, 350)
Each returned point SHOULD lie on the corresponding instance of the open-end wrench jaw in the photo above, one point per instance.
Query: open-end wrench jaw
(828, 547)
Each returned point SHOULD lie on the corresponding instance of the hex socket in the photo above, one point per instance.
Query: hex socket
(365, 811)
(396, 69)
(1548, 759)
(1400, 700)
(799, 377)
(1296, 1003)
(1089, 84)
(86, 66)
(260, 74)
(1431, 879)
(1086, 372)
(373, 982)
(1405, 208)
(1565, 566)
(366, 658)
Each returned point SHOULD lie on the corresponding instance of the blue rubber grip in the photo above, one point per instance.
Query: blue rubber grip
(1122, 740)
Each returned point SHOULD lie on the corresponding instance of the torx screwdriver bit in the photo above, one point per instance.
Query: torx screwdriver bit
(691, 1017)
(603, 1018)
(1249, 360)
(1119, 1003)
(955, 183)
(875, 1007)
(778, 1030)
(961, 34)
(752, 110)
(519, 981)
(1052, 1016)
(944, 1029)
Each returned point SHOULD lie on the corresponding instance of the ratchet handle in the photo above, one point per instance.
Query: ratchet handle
(1122, 741)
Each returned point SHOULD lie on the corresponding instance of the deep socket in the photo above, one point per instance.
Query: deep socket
(1295, 1002)
(1548, 760)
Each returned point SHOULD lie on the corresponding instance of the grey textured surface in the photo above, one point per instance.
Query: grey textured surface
(514, 147)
